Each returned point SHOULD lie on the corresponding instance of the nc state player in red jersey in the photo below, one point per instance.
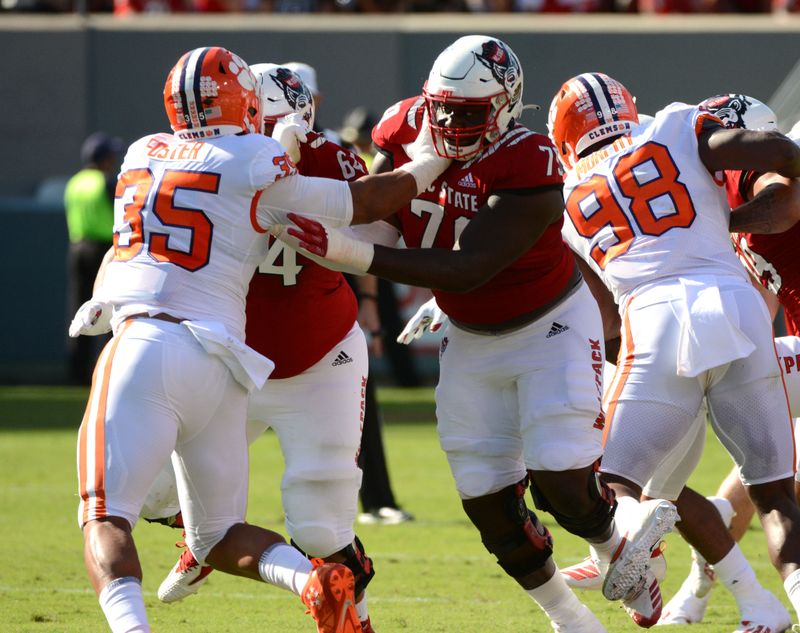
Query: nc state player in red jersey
(315, 394)
(518, 400)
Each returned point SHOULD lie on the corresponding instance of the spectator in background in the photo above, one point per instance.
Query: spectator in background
(89, 206)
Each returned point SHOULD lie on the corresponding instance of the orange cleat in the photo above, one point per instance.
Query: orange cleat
(329, 595)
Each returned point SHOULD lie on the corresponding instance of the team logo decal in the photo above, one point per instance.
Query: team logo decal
(504, 67)
(730, 109)
(293, 89)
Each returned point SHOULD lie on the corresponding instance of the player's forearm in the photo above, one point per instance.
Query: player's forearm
(437, 268)
(378, 196)
(775, 209)
(101, 272)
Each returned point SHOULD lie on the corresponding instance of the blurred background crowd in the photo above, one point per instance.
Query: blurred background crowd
(127, 7)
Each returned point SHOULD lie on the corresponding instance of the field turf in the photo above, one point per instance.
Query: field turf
(433, 574)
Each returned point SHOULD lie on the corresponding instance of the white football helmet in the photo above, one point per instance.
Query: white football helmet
(741, 111)
(473, 95)
(282, 92)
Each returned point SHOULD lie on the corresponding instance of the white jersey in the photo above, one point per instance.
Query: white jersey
(190, 223)
(645, 208)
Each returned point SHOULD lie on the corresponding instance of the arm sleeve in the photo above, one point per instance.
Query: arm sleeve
(381, 233)
(325, 200)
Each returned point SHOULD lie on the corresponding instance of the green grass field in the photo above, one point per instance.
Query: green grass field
(433, 574)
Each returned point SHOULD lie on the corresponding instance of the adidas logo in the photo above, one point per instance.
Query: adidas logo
(341, 359)
(556, 328)
(468, 181)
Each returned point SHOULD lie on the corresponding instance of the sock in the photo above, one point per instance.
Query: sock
(122, 603)
(361, 608)
(737, 575)
(605, 550)
(557, 600)
(284, 566)
(627, 510)
(701, 575)
(792, 587)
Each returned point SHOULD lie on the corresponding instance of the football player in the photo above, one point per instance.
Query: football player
(646, 213)
(192, 214)
(314, 398)
(521, 366)
(766, 251)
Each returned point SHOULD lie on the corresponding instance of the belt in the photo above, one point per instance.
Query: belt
(161, 316)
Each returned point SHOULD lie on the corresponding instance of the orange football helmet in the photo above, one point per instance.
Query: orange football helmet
(587, 109)
(211, 92)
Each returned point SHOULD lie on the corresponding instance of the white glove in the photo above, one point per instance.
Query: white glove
(428, 317)
(426, 165)
(91, 319)
(290, 131)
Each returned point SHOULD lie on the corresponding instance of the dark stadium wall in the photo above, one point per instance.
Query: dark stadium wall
(66, 76)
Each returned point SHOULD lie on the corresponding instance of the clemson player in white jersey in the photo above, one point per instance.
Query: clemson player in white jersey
(521, 363)
(191, 215)
(646, 213)
(314, 397)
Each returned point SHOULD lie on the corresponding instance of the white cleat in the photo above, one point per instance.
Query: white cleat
(764, 614)
(582, 622)
(684, 607)
(588, 576)
(644, 605)
(184, 579)
(631, 561)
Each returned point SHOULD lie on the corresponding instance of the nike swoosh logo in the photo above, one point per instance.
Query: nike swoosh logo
(347, 604)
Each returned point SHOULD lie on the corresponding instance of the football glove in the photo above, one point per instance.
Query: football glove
(429, 317)
(426, 165)
(92, 319)
(290, 131)
(330, 244)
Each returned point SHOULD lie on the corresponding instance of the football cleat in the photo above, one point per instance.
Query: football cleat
(330, 598)
(684, 607)
(584, 622)
(644, 605)
(587, 574)
(185, 578)
(385, 516)
(764, 613)
(366, 626)
(627, 568)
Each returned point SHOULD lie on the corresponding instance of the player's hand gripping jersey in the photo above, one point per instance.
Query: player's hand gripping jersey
(518, 160)
(190, 223)
(298, 310)
(645, 208)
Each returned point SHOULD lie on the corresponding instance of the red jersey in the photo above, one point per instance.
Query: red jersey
(521, 160)
(298, 310)
(770, 258)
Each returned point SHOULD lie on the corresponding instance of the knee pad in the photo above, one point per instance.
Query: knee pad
(592, 525)
(510, 531)
(355, 559)
(317, 540)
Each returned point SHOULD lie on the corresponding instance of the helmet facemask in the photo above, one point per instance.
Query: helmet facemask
(462, 127)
